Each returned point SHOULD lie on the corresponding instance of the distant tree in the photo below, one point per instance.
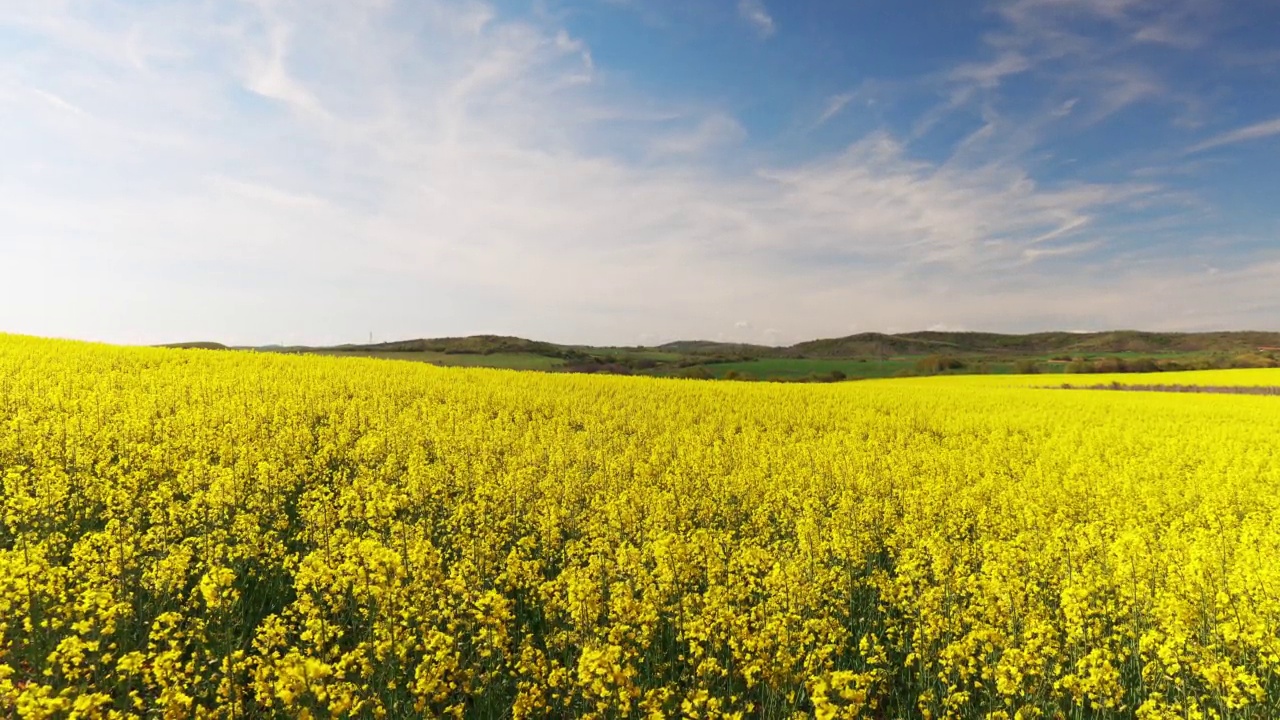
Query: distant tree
(697, 372)
(1110, 365)
(933, 364)
(837, 376)
(1026, 367)
(1252, 360)
(1142, 365)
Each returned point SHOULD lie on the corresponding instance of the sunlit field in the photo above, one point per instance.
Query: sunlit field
(193, 533)
(1264, 377)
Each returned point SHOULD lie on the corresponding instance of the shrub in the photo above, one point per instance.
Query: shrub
(1142, 365)
(1109, 365)
(1026, 367)
(837, 376)
(934, 364)
(597, 367)
(1253, 360)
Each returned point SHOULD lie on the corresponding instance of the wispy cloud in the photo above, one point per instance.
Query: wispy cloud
(59, 103)
(714, 131)
(989, 74)
(1095, 51)
(835, 105)
(755, 12)
(267, 73)
(1257, 131)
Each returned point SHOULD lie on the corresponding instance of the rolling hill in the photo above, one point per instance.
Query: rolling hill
(854, 356)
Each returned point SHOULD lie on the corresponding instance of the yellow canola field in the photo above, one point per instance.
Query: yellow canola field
(220, 534)
(1237, 378)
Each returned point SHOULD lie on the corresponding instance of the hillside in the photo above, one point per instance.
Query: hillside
(870, 344)
(873, 344)
(864, 355)
(710, 347)
(195, 346)
(1118, 341)
(470, 345)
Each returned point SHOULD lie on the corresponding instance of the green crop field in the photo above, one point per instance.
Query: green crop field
(765, 368)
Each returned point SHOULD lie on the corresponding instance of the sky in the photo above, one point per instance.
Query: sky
(635, 171)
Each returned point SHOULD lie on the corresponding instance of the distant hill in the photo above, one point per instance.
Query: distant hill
(470, 345)
(709, 347)
(863, 355)
(195, 346)
(870, 344)
(875, 344)
(970, 343)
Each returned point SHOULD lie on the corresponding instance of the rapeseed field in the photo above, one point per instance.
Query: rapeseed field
(233, 535)
(1243, 378)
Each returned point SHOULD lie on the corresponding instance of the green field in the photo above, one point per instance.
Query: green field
(758, 369)
(766, 368)
(855, 368)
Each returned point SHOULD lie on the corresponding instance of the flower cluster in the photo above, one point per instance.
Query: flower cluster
(217, 534)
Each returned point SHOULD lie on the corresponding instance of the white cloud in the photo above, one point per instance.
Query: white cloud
(754, 12)
(1257, 131)
(1038, 253)
(1166, 33)
(716, 130)
(59, 102)
(835, 104)
(265, 193)
(989, 74)
(1065, 108)
(267, 74)
(1088, 50)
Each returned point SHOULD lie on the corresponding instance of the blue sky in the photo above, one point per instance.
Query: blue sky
(635, 171)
